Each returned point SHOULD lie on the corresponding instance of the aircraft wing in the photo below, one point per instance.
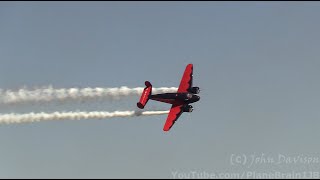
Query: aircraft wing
(186, 81)
(175, 112)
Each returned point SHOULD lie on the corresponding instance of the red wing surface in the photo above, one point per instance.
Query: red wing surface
(174, 114)
(186, 81)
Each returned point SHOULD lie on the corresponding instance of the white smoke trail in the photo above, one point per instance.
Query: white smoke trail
(35, 117)
(50, 93)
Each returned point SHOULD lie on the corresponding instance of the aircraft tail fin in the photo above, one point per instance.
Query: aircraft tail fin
(145, 95)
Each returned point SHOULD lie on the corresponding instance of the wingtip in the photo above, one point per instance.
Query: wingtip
(189, 66)
(165, 130)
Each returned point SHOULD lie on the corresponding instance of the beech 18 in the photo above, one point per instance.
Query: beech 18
(180, 100)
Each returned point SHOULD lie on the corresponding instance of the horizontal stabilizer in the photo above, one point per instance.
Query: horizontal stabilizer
(145, 95)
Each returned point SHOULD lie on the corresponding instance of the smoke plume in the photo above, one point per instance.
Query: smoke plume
(49, 94)
(35, 117)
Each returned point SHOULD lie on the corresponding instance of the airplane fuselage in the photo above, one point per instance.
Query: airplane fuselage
(171, 98)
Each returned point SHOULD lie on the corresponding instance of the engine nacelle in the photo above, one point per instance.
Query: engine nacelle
(195, 90)
(187, 108)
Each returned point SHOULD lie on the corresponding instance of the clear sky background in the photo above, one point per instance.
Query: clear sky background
(257, 64)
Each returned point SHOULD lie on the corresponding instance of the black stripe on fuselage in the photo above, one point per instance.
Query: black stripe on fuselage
(173, 97)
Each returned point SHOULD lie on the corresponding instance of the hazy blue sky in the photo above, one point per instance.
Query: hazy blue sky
(257, 64)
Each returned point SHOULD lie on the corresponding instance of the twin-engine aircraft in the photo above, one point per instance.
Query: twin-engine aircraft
(180, 101)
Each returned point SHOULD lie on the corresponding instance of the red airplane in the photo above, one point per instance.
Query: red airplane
(180, 101)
